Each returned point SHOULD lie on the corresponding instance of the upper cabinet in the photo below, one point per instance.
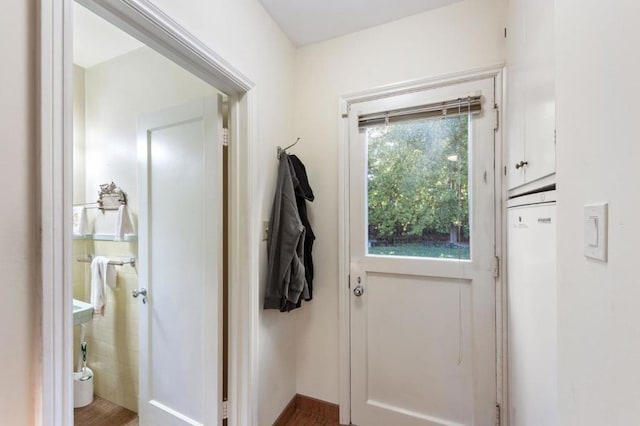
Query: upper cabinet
(530, 115)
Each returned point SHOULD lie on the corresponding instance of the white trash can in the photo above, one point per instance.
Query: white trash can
(82, 388)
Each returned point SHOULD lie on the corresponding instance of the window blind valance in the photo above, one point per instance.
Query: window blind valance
(468, 105)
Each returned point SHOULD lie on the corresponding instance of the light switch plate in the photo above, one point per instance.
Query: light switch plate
(595, 231)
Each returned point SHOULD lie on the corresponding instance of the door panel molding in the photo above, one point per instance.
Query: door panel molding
(346, 283)
(143, 20)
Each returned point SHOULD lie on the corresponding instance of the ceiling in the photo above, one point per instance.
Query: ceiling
(310, 21)
(96, 40)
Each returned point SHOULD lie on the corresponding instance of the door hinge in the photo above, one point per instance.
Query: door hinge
(497, 123)
(349, 282)
(225, 137)
(225, 409)
(555, 136)
(496, 267)
(498, 415)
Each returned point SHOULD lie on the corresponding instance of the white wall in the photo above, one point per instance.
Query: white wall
(118, 92)
(19, 263)
(459, 37)
(78, 136)
(597, 161)
(246, 36)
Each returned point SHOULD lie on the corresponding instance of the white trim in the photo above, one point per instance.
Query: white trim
(416, 86)
(504, 368)
(244, 258)
(55, 204)
(344, 309)
(344, 104)
(501, 250)
(149, 24)
(146, 22)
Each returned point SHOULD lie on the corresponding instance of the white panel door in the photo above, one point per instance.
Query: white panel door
(180, 244)
(422, 237)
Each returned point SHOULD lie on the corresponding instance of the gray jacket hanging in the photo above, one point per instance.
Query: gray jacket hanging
(285, 247)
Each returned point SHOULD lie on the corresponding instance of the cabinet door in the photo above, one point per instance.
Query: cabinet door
(530, 91)
(540, 125)
(515, 93)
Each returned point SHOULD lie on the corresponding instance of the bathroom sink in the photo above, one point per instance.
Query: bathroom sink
(82, 312)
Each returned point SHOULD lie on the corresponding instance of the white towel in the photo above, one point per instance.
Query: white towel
(123, 224)
(80, 221)
(102, 275)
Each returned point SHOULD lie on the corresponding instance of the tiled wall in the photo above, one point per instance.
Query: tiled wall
(112, 340)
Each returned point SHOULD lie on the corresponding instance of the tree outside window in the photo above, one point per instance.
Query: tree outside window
(418, 188)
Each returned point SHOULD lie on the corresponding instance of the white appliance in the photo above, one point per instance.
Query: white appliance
(532, 310)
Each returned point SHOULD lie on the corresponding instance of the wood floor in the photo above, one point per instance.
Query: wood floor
(303, 418)
(104, 413)
(306, 411)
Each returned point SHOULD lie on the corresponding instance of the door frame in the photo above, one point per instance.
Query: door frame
(143, 20)
(344, 293)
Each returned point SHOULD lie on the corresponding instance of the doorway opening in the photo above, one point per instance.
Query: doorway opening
(148, 273)
(171, 198)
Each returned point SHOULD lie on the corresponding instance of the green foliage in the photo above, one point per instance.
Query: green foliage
(414, 188)
(438, 251)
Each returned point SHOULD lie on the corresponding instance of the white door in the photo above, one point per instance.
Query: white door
(422, 244)
(180, 244)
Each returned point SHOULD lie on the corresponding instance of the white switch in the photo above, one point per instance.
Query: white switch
(591, 232)
(595, 231)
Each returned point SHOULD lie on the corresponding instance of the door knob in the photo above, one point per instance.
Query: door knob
(358, 291)
(521, 164)
(142, 292)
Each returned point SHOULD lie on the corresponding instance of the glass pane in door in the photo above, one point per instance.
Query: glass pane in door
(418, 189)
